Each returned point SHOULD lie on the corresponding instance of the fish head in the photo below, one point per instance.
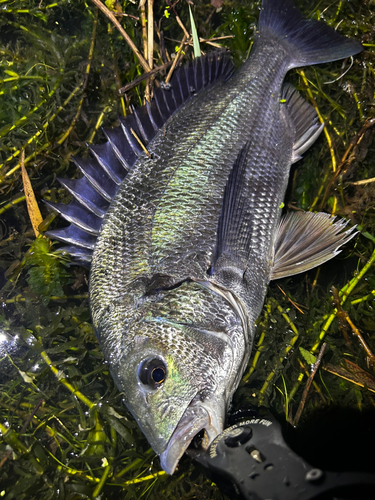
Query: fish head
(182, 357)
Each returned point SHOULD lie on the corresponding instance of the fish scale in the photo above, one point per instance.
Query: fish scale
(166, 181)
(164, 222)
(193, 233)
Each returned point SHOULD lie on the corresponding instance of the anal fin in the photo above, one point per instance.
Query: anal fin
(305, 240)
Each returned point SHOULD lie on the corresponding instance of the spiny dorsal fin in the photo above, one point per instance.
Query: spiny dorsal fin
(72, 235)
(305, 240)
(303, 118)
(106, 170)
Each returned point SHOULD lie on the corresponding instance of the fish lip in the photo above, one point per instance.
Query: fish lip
(196, 417)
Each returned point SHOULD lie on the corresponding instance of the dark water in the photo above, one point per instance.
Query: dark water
(65, 432)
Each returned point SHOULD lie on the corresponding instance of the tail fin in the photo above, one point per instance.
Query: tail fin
(309, 41)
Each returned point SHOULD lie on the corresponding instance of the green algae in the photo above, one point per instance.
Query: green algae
(65, 432)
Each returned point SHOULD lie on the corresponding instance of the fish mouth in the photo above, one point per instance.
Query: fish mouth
(198, 417)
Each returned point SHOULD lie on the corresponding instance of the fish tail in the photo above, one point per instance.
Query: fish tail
(308, 41)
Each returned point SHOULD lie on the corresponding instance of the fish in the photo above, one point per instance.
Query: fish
(180, 215)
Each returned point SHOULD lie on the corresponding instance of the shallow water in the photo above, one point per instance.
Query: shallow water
(65, 431)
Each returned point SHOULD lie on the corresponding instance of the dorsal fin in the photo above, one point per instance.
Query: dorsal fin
(303, 118)
(105, 171)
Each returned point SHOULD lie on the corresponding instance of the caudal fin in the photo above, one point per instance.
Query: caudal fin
(308, 41)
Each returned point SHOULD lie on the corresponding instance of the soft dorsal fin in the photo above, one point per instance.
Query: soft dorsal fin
(305, 240)
(110, 162)
(303, 118)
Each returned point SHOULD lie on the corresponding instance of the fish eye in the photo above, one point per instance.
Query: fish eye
(152, 372)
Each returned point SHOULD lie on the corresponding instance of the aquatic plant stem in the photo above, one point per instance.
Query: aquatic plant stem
(363, 181)
(150, 47)
(284, 354)
(370, 296)
(35, 136)
(328, 138)
(140, 142)
(70, 470)
(346, 160)
(66, 134)
(326, 133)
(85, 81)
(24, 118)
(126, 37)
(137, 462)
(259, 345)
(103, 479)
(12, 203)
(19, 298)
(344, 294)
(145, 478)
(62, 379)
(11, 438)
(98, 124)
(62, 138)
(255, 357)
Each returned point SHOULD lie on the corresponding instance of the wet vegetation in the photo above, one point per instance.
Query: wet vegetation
(64, 432)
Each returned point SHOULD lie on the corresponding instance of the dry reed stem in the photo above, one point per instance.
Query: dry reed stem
(308, 385)
(126, 37)
(343, 316)
(142, 15)
(140, 79)
(364, 181)
(150, 32)
(176, 59)
(358, 376)
(180, 23)
(346, 160)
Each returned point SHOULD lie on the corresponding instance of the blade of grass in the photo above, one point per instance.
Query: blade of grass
(197, 49)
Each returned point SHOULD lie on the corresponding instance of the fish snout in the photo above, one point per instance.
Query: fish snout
(207, 416)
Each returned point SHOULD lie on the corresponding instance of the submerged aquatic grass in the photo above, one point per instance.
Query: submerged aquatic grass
(64, 430)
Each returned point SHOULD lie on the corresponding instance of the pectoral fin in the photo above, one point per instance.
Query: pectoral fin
(234, 228)
(305, 240)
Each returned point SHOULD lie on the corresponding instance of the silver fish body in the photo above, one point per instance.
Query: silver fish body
(190, 241)
(161, 231)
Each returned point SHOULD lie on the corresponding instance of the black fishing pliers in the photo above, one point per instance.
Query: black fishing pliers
(252, 459)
